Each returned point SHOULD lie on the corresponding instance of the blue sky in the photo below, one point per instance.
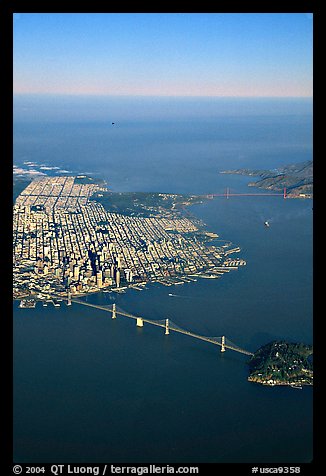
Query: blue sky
(164, 54)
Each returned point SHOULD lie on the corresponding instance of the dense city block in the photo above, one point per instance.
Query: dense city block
(65, 243)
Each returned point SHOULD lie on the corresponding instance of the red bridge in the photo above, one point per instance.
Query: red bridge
(228, 194)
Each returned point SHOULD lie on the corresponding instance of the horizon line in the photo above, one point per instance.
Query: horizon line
(158, 95)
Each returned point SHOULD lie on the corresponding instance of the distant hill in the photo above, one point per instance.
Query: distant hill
(296, 178)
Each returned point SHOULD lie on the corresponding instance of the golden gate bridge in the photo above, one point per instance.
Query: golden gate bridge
(228, 194)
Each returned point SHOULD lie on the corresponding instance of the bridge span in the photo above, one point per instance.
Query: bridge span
(228, 194)
(167, 324)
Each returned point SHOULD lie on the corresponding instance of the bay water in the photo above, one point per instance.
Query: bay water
(91, 389)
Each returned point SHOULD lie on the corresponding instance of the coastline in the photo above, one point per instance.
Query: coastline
(296, 180)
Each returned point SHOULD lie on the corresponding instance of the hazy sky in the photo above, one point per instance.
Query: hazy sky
(165, 54)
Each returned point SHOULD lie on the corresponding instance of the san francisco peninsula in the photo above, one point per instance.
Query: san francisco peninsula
(73, 236)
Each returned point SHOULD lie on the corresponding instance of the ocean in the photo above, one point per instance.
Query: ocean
(91, 389)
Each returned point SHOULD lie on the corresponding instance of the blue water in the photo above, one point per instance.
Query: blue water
(90, 389)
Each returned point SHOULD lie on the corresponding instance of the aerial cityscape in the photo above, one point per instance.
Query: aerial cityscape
(64, 243)
(162, 241)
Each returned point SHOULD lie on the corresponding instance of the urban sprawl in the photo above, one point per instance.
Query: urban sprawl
(66, 244)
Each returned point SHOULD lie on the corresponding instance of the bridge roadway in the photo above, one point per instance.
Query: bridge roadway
(159, 324)
(228, 194)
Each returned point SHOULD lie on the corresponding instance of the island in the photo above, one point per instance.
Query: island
(282, 363)
(297, 179)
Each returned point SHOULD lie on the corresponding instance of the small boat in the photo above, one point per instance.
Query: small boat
(266, 223)
(294, 385)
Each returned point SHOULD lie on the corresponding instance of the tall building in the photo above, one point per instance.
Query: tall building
(117, 278)
(129, 275)
(76, 272)
(99, 279)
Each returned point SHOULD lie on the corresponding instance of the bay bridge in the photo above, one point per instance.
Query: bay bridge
(166, 324)
(228, 194)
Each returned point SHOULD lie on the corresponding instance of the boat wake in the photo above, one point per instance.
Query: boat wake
(178, 296)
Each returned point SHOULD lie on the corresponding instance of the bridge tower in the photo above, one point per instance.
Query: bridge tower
(167, 327)
(284, 192)
(227, 192)
(114, 311)
(223, 344)
(139, 322)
